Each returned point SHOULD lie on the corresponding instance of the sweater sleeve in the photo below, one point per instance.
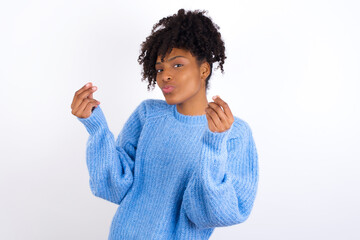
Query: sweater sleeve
(222, 192)
(111, 163)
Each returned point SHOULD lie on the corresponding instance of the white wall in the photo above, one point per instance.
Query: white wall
(292, 73)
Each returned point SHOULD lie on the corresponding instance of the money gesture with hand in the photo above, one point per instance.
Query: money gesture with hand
(219, 115)
(83, 102)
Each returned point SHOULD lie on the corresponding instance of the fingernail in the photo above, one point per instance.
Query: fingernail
(93, 88)
(87, 84)
(214, 97)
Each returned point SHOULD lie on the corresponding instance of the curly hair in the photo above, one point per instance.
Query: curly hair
(190, 31)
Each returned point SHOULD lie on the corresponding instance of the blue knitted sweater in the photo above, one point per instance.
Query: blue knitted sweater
(171, 176)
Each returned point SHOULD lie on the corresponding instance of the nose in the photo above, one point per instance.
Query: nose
(166, 75)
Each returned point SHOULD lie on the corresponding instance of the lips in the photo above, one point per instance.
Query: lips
(168, 88)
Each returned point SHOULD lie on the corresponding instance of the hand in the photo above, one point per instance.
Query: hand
(83, 102)
(219, 119)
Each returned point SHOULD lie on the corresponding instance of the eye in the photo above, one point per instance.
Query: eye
(178, 64)
(158, 70)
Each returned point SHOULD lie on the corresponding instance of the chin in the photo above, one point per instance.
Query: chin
(170, 101)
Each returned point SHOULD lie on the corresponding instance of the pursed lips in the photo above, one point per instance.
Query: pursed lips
(168, 88)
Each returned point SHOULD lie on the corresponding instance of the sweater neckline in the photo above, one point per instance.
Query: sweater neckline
(189, 119)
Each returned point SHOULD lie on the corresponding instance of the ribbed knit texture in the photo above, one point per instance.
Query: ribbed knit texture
(171, 176)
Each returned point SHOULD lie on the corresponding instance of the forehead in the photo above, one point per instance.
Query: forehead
(176, 52)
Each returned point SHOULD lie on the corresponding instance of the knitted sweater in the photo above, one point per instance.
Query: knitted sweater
(172, 177)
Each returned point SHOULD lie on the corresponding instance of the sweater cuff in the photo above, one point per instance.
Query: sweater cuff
(95, 121)
(216, 139)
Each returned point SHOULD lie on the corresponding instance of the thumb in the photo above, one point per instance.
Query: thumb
(91, 94)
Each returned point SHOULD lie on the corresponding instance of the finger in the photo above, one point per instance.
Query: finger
(78, 92)
(221, 115)
(215, 118)
(211, 124)
(84, 107)
(88, 93)
(84, 95)
(91, 94)
(91, 105)
(89, 109)
(84, 88)
(224, 105)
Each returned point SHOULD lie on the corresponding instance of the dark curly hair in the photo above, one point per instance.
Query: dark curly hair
(189, 30)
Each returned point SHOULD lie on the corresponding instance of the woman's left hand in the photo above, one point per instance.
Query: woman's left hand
(219, 120)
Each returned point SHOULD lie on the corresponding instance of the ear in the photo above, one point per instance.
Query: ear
(204, 70)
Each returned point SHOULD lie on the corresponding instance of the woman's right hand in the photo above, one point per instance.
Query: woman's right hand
(83, 102)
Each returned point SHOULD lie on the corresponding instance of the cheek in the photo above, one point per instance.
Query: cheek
(158, 80)
(190, 77)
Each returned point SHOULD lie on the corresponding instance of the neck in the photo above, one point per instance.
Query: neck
(193, 106)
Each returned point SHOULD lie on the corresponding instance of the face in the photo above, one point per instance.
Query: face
(181, 72)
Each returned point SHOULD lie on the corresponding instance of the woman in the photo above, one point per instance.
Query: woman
(180, 167)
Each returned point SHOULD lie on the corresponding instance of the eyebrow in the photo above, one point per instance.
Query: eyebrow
(171, 59)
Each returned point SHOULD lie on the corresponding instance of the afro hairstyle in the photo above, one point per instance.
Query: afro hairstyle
(188, 30)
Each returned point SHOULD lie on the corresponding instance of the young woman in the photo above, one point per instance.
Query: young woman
(179, 167)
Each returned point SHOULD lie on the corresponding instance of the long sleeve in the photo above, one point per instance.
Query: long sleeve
(111, 163)
(222, 192)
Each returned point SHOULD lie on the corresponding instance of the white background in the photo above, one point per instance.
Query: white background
(292, 73)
